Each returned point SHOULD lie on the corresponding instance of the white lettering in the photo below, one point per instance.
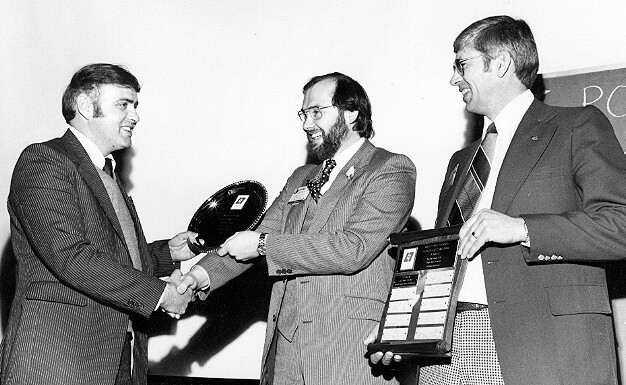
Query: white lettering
(608, 103)
(585, 103)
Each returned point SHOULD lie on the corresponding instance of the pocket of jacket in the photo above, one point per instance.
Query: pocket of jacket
(364, 308)
(50, 291)
(578, 299)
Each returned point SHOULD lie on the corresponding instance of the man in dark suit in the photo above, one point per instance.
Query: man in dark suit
(86, 279)
(534, 303)
(324, 240)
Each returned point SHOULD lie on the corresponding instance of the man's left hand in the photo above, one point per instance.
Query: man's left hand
(179, 248)
(489, 226)
(242, 246)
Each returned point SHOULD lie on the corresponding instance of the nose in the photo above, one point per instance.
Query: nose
(456, 77)
(133, 115)
(308, 123)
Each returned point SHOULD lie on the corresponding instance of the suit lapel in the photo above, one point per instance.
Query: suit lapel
(296, 213)
(328, 201)
(529, 142)
(87, 170)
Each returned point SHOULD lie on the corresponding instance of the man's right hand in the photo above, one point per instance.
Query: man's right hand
(175, 303)
(379, 357)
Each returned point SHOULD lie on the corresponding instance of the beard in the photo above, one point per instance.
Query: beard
(330, 142)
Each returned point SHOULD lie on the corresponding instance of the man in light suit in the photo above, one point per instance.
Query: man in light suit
(86, 279)
(536, 308)
(325, 252)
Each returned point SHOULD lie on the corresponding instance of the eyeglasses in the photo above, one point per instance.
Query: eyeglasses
(459, 64)
(314, 112)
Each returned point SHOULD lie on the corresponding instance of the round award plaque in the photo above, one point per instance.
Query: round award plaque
(236, 207)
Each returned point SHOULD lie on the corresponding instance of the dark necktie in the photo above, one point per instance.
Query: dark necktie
(476, 179)
(315, 185)
(108, 167)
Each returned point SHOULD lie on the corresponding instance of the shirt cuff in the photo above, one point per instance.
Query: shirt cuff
(526, 242)
(158, 305)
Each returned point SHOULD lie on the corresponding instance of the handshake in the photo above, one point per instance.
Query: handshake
(178, 293)
(242, 246)
(180, 288)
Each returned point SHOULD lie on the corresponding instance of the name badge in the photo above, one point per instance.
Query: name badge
(299, 195)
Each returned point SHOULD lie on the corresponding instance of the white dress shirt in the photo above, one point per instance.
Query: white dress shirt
(473, 289)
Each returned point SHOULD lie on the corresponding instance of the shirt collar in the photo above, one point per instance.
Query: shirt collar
(344, 156)
(511, 115)
(92, 150)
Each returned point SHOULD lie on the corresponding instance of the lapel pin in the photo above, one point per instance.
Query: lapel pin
(350, 172)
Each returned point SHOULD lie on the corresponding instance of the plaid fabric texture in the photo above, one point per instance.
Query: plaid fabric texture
(474, 358)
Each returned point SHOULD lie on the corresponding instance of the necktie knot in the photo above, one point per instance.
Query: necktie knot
(108, 167)
(315, 185)
(488, 145)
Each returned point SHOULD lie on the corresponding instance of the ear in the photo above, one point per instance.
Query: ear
(504, 63)
(350, 117)
(84, 106)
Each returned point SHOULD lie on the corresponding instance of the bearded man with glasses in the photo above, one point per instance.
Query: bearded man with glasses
(324, 240)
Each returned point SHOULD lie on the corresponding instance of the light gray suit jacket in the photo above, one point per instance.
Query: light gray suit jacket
(337, 273)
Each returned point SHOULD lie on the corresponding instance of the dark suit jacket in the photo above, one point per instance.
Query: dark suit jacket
(332, 279)
(565, 174)
(76, 287)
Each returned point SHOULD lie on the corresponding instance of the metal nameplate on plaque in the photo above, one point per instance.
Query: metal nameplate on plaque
(419, 314)
(236, 207)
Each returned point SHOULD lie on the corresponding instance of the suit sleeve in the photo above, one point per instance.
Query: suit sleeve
(162, 263)
(48, 206)
(383, 207)
(597, 230)
(223, 269)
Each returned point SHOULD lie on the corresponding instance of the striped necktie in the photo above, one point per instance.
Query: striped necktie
(475, 180)
(315, 184)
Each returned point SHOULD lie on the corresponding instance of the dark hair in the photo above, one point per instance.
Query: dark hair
(349, 96)
(503, 33)
(88, 80)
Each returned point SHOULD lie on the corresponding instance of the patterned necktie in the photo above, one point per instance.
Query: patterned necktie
(108, 167)
(476, 179)
(315, 185)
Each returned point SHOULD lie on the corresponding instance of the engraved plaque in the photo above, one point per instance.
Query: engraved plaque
(419, 315)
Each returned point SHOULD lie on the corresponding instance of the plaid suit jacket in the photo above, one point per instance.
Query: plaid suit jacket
(331, 282)
(76, 287)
